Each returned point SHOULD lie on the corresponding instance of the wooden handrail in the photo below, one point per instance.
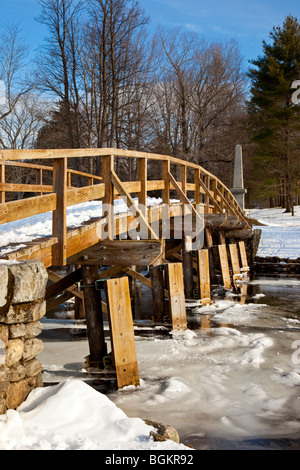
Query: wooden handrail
(208, 190)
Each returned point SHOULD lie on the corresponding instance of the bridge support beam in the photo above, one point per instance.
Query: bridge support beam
(158, 292)
(94, 319)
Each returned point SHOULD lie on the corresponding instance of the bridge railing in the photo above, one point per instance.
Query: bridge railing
(191, 183)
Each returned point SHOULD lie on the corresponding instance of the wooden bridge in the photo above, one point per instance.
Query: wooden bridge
(122, 245)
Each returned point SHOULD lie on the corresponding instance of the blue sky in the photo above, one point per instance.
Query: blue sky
(248, 22)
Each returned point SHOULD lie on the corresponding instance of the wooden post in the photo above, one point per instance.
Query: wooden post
(94, 320)
(206, 198)
(165, 177)
(209, 246)
(236, 271)
(2, 180)
(122, 332)
(187, 263)
(245, 266)
(176, 296)
(59, 220)
(183, 178)
(234, 259)
(197, 186)
(204, 277)
(224, 266)
(142, 177)
(108, 200)
(158, 294)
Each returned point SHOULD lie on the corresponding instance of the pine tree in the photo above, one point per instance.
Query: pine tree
(274, 114)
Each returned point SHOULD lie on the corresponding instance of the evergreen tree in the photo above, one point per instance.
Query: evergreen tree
(275, 115)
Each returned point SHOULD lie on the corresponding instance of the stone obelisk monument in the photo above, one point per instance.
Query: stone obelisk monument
(238, 189)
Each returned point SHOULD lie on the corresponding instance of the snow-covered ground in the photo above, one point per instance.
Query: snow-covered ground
(280, 232)
(232, 376)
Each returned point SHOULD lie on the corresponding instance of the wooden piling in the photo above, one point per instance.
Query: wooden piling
(122, 332)
(204, 277)
(236, 271)
(94, 319)
(224, 266)
(158, 294)
(176, 296)
(187, 264)
(243, 254)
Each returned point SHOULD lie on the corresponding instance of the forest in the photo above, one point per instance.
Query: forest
(101, 78)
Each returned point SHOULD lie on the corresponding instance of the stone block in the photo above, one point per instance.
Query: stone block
(36, 381)
(2, 405)
(14, 352)
(3, 343)
(17, 393)
(33, 329)
(33, 368)
(32, 347)
(29, 280)
(17, 372)
(17, 331)
(3, 284)
(24, 313)
(4, 378)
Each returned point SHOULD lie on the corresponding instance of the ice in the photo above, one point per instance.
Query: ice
(237, 377)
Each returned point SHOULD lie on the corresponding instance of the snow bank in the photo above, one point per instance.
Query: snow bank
(74, 416)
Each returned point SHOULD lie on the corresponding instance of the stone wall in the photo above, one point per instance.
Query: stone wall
(22, 305)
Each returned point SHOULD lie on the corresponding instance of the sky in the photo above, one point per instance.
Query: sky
(249, 22)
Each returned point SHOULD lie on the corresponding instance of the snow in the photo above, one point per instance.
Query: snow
(235, 375)
(280, 232)
(44, 422)
(38, 226)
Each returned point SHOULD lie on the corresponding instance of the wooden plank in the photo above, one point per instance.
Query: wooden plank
(57, 301)
(187, 264)
(21, 209)
(120, 252)
(26, 188)
(158, 292)
(94, 319)
(197, 197)
(2, 181)
(236, 271)
(122, 332)
(87, 193)
(183, 173)
(145, 227)
(209, 196)
(224, 266)
(204, 277)
(142, 177)
(59, 219)
(183, 198)
(108, 199)
(62, 283)
(138, 276)
(165, 175)
(243, 254)
(176, 296)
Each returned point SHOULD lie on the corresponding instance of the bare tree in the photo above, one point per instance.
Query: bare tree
(19, 130)
(14, 77)
(57, 68)
(199, 93)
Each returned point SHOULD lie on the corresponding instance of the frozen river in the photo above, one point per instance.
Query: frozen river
(230, 381)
